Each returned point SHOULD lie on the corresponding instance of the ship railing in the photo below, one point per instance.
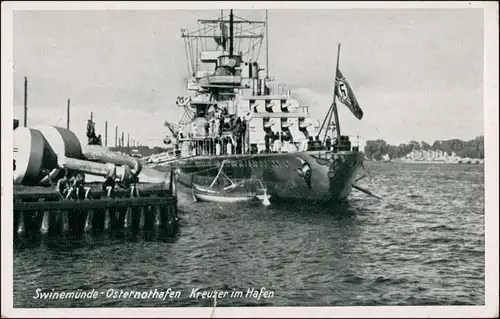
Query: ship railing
(278, 89)
(206, 145)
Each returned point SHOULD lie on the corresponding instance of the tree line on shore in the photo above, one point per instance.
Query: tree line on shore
(375, 149)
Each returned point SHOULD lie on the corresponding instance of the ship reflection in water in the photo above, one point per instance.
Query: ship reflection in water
(422, 245)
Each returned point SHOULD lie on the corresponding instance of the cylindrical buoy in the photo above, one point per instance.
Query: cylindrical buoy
(36, 149)
(31, 156)
(61, 140)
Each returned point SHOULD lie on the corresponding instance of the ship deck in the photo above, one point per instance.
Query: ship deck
(260, 155)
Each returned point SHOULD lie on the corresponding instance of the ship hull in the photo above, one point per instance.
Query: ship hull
(312, 175)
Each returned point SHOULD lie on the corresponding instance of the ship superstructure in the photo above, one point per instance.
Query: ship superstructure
(236, 115)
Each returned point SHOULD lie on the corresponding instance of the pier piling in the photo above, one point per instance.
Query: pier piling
(124, 212)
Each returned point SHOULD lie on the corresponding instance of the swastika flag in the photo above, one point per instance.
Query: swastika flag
(346, 96)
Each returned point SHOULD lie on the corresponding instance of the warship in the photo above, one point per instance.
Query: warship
(237, 120)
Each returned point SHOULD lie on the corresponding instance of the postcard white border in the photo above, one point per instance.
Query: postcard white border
(491, 105)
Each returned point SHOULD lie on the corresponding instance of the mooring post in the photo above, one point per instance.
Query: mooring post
(25, 101)
(56, 222)
(98, 221)
(68, 115)
(106, 133)
(17, 216)
(149, 221)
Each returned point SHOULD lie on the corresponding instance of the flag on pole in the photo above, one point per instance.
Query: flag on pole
(346, 95)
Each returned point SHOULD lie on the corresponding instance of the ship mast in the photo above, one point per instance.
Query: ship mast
(334, 105)
(223, 36)
(240, 38)
(267, 49)
(333, 108)
(231, 30)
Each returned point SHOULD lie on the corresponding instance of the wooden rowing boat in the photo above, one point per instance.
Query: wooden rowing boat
(234, 193)
(204, 193)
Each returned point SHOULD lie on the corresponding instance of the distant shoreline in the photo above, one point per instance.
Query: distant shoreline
(457, 149)
(398, 161)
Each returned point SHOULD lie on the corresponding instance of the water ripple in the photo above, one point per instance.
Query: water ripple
(422, 245)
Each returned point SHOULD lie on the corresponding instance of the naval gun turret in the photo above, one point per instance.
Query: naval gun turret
(51, 166)
(42, 152)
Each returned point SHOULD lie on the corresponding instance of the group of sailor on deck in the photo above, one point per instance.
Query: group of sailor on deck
(224, 134)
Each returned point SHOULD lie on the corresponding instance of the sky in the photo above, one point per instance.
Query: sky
(416, 73)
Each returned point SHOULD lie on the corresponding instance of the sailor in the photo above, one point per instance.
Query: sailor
(62, 184)
(243, 133)
(236, 130)
(267, 139)
(78, 185)
(90, 128)
(233, 145)
(303, 145)
(194, 129)
(227, 124)
(310, 145)
(317, 143)
(328, 143)
(238, 144)
(193, 149)
(276, 143)
(223, 144)
(229, 147)
(217, 146)
(221, 125)
(285, 141)
(238, 124)
(207, 128)
(109, 182)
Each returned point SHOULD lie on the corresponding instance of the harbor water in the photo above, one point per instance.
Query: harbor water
(423, 244)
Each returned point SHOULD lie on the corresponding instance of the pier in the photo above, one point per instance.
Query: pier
(146, 209)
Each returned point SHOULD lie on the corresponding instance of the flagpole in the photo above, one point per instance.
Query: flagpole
(334, 105)
(333, 108)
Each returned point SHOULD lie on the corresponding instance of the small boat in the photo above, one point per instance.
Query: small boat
(233, 193)
(208, 194)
